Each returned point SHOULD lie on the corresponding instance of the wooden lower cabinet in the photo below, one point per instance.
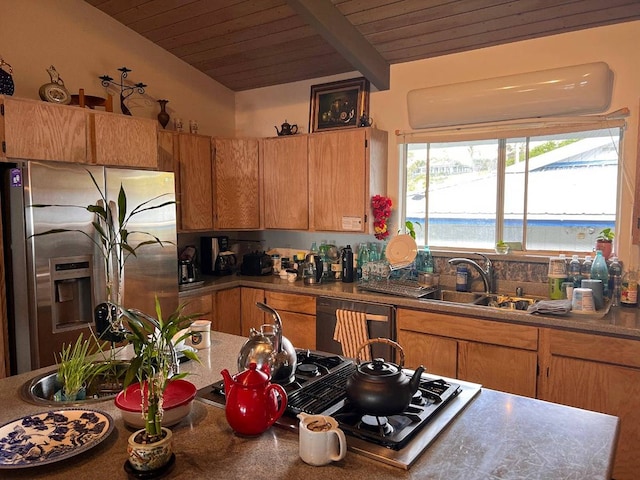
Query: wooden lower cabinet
(596, 373)
(298, 314)
(221, 308)
(497, 355)
(439, 355)
(227, 316)
(252, 316)
(202, 304)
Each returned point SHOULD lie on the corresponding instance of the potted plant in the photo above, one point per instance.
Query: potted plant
(604, 242)
(154, 365)
(77, 370)
(502, 248)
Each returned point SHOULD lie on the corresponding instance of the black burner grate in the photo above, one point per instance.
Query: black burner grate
(318, 396)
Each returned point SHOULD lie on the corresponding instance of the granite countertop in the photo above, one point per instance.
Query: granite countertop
(498, 435)
(618, 321)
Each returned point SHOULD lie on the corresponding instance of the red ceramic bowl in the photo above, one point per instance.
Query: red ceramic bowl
(178, 398)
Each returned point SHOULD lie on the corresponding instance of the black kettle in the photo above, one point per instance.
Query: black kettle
(287, 129)
(381, 388)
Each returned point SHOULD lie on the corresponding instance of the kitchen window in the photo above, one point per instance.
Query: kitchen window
(547, 187)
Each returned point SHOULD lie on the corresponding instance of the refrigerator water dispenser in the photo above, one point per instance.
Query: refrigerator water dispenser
(72, 299)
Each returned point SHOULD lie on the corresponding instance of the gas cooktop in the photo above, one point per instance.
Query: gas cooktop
(320, 388)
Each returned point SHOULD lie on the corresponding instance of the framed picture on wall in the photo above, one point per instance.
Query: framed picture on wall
(338, 104)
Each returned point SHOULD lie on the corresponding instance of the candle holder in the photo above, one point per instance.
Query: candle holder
(125, 90)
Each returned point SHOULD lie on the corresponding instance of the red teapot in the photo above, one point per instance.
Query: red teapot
(252, 404)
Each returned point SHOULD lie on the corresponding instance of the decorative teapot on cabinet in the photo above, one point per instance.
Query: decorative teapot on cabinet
(286, 129)
(251, 405)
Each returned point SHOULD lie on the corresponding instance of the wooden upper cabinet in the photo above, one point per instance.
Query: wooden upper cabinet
(194, 191)
(236, 184)
(33, 130)
(124, 141)
(346, 168)
(635, 226)
(285, 183)
(167, 155)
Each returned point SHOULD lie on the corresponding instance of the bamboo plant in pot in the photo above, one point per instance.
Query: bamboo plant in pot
(154, 365)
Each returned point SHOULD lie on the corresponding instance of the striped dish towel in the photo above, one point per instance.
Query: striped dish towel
(351, 332)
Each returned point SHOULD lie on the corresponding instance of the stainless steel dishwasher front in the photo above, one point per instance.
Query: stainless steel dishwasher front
(380, 323)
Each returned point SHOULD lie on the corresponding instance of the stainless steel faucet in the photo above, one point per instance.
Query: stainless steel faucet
(486, 273)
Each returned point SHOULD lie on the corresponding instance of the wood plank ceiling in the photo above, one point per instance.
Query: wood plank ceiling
(246, 44)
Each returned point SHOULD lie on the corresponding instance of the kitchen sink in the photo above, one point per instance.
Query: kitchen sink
(458, 297)
(494, 300)
(40, 390)
(506, 302)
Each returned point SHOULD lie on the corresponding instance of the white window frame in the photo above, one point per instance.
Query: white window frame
(502, 131)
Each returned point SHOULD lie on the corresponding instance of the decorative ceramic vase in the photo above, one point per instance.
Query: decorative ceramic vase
(163, 116)
(147, 457)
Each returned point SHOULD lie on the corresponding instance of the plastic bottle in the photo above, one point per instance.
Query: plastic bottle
(585, 268)
(629, 289)
(558, 266)
(462, 278)
(573, 272)
(615, 281)
(599, 271)
(347, 264)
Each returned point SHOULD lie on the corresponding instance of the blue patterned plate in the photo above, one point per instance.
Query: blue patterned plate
(51, 436)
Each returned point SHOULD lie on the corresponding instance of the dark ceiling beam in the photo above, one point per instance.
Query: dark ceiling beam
(345, 38)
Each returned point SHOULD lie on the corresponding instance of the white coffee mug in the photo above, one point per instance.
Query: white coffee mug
(200, 337)
(321, 440)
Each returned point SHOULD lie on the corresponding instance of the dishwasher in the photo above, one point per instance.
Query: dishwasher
(380, 323)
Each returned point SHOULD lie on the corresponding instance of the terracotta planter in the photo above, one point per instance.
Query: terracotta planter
(606, 247)
(147, 457)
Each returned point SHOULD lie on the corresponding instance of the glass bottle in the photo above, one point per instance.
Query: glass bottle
(363, 258)
(600, 271)
(427, 260)
(374, 256)
(324, 257)
(615, 281)
(629, 289)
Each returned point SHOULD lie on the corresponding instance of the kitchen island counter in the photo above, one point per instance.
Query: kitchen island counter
(498, 435)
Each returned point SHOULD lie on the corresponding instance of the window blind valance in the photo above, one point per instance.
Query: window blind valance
(515, 128)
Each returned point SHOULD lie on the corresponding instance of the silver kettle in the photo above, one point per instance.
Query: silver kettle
(267, 347)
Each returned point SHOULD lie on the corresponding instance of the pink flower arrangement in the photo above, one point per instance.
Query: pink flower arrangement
(381, 207)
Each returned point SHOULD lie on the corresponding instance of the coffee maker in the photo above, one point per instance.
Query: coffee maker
(216, 257)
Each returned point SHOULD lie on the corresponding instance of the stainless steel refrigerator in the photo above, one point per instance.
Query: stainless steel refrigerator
(54, 282)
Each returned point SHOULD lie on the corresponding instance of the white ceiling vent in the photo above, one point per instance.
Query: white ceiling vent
(575, 90)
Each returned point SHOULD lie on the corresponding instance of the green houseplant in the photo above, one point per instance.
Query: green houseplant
(502, 248)
(154, 365)
(604, 242)
(77, 370)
